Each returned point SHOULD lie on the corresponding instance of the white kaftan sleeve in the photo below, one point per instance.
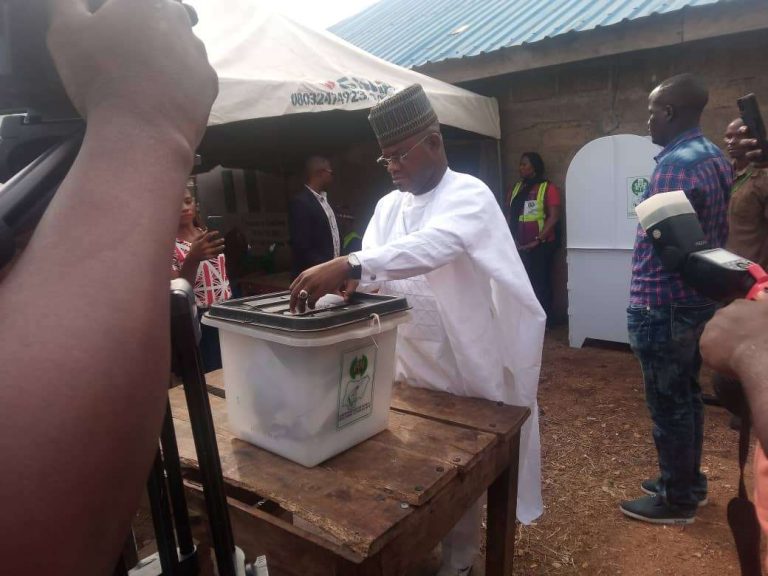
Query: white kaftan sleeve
(458, 223)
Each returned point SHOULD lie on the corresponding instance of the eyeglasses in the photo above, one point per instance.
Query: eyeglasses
(401, 158)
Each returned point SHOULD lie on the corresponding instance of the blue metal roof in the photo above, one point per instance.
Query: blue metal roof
(412, 32)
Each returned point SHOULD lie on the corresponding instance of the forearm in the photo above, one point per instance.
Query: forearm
(753, 372)
(88, 377)
(549, 227)
(189, 270)
(553, 217)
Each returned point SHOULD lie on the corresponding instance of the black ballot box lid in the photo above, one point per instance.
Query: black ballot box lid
(272, 311)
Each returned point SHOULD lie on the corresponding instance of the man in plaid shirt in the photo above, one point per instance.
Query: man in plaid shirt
(666, 317)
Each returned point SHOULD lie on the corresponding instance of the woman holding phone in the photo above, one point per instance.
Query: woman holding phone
(199, 258)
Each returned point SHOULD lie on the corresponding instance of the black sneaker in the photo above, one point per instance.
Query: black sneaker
(651, 487)
(653, 509)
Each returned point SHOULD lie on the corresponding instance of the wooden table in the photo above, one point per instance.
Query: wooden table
(379, 507)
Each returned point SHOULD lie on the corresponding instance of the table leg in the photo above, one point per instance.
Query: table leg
(372, 567)
(502, 517)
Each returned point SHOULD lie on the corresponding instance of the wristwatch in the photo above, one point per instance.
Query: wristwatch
(355, 268)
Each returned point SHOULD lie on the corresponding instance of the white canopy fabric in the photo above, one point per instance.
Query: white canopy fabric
(270, 66)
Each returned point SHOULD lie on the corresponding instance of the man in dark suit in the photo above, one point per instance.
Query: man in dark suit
(313, 228)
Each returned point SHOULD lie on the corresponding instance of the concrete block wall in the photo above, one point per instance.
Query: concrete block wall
(557, 110)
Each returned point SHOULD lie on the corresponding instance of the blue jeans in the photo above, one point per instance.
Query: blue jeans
(665, 340)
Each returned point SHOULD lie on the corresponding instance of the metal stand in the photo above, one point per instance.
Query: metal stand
(166, 485)
(169, 461)
(22, 201)
(188, 365)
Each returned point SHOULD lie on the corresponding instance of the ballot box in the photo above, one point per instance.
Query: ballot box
(308, 386)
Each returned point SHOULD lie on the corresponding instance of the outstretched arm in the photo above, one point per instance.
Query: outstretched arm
(444, 237)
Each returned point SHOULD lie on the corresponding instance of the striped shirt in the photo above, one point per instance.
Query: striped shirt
(695, 165)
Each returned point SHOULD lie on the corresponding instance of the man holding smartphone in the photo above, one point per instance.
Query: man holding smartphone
(748, 207)
(741, 325)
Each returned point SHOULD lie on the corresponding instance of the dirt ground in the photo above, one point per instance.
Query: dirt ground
(597, 448)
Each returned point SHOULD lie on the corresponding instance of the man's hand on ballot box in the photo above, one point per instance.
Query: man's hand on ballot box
(332, 277)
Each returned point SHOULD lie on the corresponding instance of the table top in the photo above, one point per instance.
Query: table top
(362, 500)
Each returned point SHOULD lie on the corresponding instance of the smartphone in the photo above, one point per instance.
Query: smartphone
(750, 114)
(215, 223)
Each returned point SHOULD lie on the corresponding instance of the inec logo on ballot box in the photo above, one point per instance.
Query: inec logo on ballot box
(356, 386)
(637, 186)
(359, 367)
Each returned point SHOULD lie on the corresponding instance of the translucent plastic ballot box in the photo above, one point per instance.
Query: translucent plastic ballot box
(308, 386)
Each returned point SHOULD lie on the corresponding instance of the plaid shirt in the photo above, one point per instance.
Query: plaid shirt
(693, 164)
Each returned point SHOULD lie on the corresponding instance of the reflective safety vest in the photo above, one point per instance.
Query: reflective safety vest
(533, 210)
(348, 238)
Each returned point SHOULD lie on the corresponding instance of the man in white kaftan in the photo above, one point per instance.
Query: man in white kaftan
(477, 328)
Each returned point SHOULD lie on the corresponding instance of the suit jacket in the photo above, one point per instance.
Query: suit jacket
(311, 236)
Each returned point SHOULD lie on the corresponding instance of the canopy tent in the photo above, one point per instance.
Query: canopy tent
(286, 89)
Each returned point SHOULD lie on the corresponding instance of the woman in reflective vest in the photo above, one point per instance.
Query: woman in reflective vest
(351, 241)
(533, 212)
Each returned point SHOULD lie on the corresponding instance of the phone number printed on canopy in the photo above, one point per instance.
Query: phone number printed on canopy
(343, 91)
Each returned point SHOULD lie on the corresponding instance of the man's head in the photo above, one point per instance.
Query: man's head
(732, 139)
(318, 173)
(408, 132)
(675, 106)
